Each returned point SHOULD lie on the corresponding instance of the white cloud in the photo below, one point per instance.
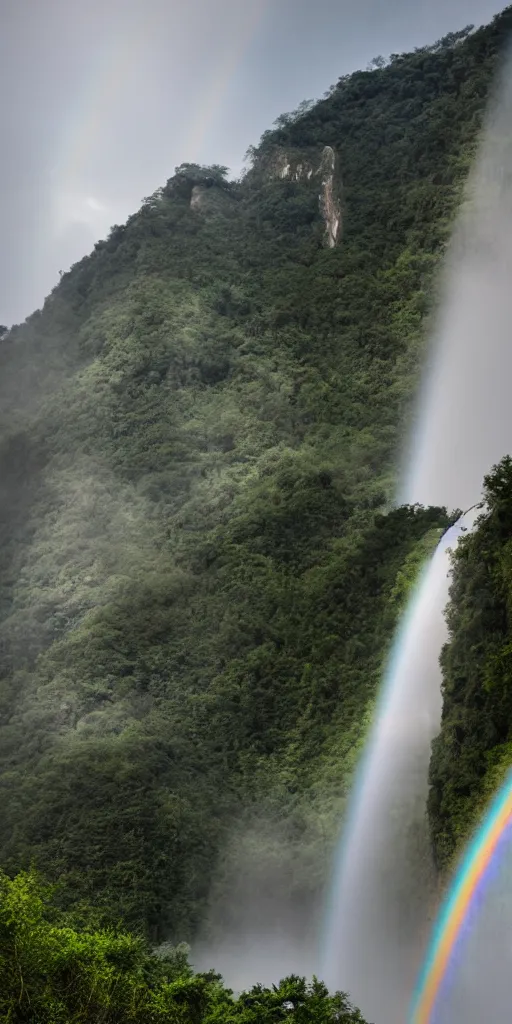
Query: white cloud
(93, 204)
(77, 208)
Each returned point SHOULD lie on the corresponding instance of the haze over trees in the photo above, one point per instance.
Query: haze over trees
(201, 567)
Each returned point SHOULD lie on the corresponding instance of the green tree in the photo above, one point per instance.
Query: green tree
(54, 974)
(474, 751)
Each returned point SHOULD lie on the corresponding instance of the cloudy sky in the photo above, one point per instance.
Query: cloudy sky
(101, 100)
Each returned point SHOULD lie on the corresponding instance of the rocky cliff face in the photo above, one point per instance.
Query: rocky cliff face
(318, 168)
(207, 199)
(330, 203)
(197, 197)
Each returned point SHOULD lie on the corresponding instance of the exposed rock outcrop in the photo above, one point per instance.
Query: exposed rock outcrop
(330, 204)
(197, 196)
(321, 167)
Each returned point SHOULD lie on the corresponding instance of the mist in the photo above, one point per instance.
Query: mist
(384, 880)
(101, 541)
(464, 418)
(385, 889)
(263, 922)
(463, 427)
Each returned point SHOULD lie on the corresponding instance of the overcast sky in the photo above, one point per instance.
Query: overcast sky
(101, 100)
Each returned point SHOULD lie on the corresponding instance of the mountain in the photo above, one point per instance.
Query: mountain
(201, 564)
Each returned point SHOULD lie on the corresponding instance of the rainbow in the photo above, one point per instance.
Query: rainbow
(227, 65)
(464, 895)
(110, 68)
(115, 62)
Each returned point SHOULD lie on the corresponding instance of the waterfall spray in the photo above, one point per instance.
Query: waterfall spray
(383, 877)
(464, 422)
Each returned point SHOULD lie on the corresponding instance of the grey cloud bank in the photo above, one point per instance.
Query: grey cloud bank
(102, 101)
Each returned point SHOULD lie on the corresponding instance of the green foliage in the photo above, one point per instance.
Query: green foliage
(53, 974)
(200, 566)
(473, 751)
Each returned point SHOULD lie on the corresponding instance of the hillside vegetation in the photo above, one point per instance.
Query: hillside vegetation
(200, 565)
(474, 750)
(51, 974)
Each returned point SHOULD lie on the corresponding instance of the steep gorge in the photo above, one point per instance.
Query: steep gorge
(201, 565)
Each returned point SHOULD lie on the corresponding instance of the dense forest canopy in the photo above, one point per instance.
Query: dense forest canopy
(473, 752)
(201, 567)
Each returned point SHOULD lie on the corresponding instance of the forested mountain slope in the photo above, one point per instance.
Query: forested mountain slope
(200, 567)
(474, 751)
